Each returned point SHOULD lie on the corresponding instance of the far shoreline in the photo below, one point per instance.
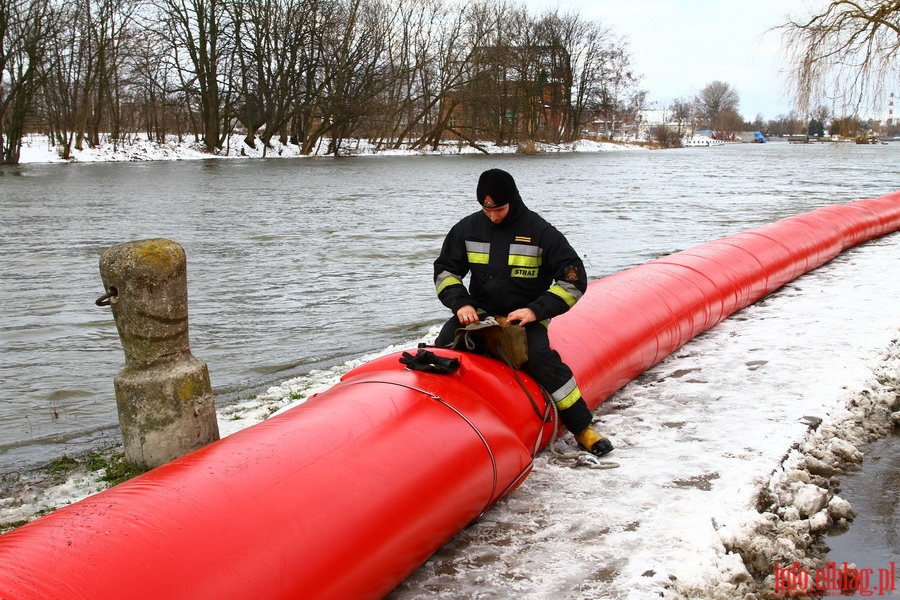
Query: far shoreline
(38, 149)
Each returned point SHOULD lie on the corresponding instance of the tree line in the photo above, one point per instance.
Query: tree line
(402, 73)
(842, 57)
(715, 107)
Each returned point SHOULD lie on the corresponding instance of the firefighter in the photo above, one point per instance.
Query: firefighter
(523, 268)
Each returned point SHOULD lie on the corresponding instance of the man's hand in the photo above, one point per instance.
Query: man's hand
(521, 316)
(467, 315)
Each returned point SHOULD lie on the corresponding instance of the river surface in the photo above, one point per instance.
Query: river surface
(297, 264)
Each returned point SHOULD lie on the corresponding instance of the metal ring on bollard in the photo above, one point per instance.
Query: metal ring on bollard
(106, 299)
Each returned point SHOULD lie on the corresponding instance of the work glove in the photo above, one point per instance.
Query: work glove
(429, 362)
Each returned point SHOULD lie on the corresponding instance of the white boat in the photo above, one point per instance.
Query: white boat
(697, 141)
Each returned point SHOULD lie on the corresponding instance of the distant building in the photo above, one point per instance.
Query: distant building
(503, 103)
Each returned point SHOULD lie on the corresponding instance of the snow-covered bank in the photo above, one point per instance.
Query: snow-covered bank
(723, 429)
(39, 149)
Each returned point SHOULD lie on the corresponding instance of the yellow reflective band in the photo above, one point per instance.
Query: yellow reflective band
(526, 257)
(524, 261)
(478, 253)
(570, 398)
(445, 280)
(564, 295)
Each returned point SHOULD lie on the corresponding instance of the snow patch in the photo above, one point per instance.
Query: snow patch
(799, 500)
(39, 149)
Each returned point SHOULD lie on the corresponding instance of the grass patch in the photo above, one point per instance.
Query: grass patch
(5, 527)
(62, 465)
(115, 468)
(106, 467)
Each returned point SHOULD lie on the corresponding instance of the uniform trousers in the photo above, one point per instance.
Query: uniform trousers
(548, 370)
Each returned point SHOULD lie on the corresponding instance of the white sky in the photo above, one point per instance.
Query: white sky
(680, 46)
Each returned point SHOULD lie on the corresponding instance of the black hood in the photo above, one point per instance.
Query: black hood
(497, 188)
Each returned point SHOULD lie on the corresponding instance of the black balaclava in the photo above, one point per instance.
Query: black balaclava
(496, 188)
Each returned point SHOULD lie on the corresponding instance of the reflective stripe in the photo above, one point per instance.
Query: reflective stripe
(524, 261)
(525, 250)
(567, 395)
(481, 247)
(478, 253)
(522, 255)
(446, 279)
(567, 292)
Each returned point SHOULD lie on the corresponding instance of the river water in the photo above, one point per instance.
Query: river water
(297, 264)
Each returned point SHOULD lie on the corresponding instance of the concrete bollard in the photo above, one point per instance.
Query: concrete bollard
(163, 393)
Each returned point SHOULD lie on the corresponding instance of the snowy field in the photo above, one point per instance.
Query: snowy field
(727, 454)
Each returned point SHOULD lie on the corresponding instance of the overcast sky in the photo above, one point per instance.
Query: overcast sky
(679, 46)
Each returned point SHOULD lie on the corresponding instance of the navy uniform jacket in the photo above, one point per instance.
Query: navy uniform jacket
(522, 262)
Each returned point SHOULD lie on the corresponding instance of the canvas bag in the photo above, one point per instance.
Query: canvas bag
(496, 337)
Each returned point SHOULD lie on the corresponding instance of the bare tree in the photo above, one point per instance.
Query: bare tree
(489, 110)
(355, 75)
(544, 79)
(84, 85)
(758, 123)
(152, 81)
(717, 103)
(430, 55)
(846, 53)
(200, 43)
(71, 77)
(565, 61)
(111, 27)
(589, 74)
(616, 87)
(683, 114)
(307, 122)
(537, 65)
(26, 26)
(449, 72)
(269, 40)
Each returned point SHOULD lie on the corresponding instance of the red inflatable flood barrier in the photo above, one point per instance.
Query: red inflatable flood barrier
(345, 495)
(631, 320)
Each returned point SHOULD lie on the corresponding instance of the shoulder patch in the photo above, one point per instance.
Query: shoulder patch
(572, 274)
